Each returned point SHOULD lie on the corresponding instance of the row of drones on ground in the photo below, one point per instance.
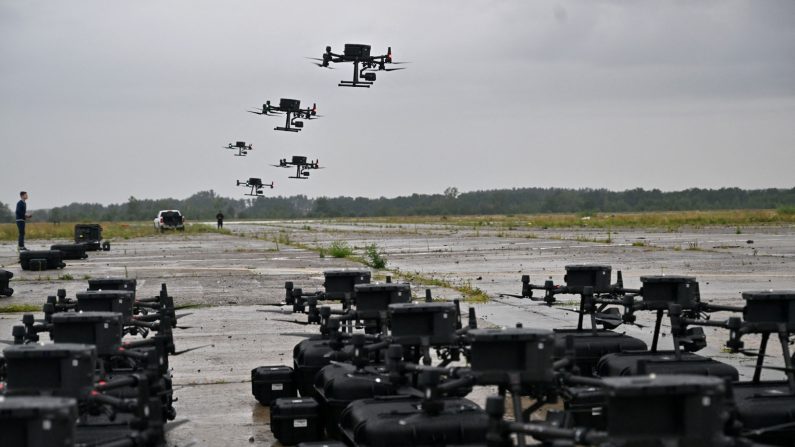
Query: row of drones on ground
(364, 67)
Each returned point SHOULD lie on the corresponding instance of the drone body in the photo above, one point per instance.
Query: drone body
(241, 147)
(255, 185)
(302, 166)
(293, 111)
(359, 54)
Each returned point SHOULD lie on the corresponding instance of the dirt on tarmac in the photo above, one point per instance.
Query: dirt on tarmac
(230, 279)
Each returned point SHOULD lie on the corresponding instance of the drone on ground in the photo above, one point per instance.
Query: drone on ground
(242, 148)
(292, 108)
(255, 185)
(301, 164)
(358, 54)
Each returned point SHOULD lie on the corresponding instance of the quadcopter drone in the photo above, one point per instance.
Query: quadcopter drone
(255, 185)
(358, 54)
(301, 164)
(242, 148)
(292, 108)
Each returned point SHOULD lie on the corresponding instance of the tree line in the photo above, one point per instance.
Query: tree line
(206, 204)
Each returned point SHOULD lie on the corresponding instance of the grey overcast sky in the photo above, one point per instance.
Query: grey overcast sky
(103, 100)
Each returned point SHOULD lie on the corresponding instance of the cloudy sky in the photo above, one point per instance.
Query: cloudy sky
(100, 101)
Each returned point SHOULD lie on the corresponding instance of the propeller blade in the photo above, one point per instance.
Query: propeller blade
(510, 295)
(176, 424)
(258, 113)
(276, 311)
(780, 368)
(297, 334)
(184, 327)
(184, 351)
(400, 63)
(184, 315)
(392, 69)
(314, 58)
(304, 323)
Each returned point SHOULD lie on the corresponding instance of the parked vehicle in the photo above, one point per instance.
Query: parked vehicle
(170, 220)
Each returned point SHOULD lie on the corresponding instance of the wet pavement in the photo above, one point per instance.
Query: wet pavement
(233, 277)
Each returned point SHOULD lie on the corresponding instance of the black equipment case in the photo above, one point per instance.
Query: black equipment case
(90, 235)
(71, 251)
(269, 383)
(295, 420)
(38, 260)
(5, 277)
(590, 347)
(663, 362)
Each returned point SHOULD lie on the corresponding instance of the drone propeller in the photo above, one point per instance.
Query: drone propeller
(276, 311)
(780, 368)
(297, 334)
(391, 69)
(749, 353)
(184, 315)
(320, 64)
(304, 323)
(184, 351)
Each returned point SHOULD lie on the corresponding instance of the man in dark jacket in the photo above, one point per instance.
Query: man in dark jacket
(22, 215)
(220, 218)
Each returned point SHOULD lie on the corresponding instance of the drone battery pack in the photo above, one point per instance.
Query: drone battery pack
(766, 404)
(373, 299)
(5, 277)
(71, 251)
(400, 421)
(90, 235)
(589, 347)
(660, 291)
(101, 329)
(496, 353)
(339, 283)
(418, 323)
(269, 383)
(295, 420)
(309, 357)
(34, 421)
(119, 301)
(587, 275)
(667, 410)
(769, 309)
(64, 370)
(112, 283)
(292, 105)
(663, 362)
(339, 384)
(38, 260)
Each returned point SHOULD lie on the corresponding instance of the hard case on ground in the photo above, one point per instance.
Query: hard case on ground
(71, 251)
(590, 347)
(662, 362)
(269, 383)
(399, 421)
(41, 260)
(295, 420)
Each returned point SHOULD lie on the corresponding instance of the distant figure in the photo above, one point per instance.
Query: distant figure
(220, 218)
(22, 215)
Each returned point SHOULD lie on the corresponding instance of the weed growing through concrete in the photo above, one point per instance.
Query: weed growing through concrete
(340, 249)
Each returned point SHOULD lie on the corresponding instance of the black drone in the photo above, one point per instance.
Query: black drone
(242, 148)
(358, 54)
(292, 108)
(255, 185)
(301, 164)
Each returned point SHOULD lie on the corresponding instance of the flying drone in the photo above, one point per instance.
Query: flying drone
(242, 148)
(292, 108)
(301, 164)
(358, 54)
(255, 185)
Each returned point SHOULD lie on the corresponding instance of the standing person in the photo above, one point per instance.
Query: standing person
(220, 218)
(22, 215)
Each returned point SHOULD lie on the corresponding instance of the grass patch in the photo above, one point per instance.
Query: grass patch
(339, 249)
(110, 230)
(669, 220)
(374, 257)
(66, 277)
(15, 308)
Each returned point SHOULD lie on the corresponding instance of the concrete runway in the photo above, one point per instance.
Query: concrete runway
(234, 276)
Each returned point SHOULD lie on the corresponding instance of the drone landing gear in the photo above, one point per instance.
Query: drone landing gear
(365, 84)
(287, 129)
(369, 78)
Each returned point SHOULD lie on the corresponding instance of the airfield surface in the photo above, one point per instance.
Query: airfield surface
(231, 278)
